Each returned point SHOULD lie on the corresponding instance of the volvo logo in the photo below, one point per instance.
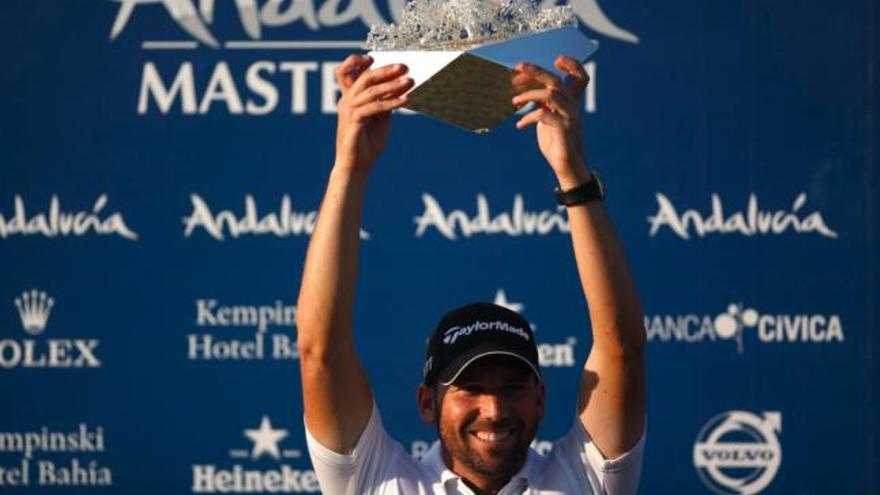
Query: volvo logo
(738, 453)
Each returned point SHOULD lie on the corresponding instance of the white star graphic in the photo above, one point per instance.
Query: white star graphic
(266, 439)
(501, 300)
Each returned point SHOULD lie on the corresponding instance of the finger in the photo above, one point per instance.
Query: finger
(384, 91)
(546, 78)
(348, 71)
(524, 82)
(378, 76)
(379, 107)
(579, 77)
(541, 115)
(555, 101)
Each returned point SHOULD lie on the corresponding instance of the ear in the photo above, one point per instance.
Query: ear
(427, 402)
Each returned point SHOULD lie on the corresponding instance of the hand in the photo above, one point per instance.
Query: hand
(368, 98)
(557, 118)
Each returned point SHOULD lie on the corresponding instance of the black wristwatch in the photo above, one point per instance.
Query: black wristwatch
(584, 193)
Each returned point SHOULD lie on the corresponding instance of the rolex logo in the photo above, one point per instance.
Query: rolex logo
(34, 307)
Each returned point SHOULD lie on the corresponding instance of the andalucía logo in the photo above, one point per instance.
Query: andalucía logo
(264, 86)
(54, 458)
(275, 13)
(34, 308)
(736, 324)
(246, 474)
(56, 222)
(257, 344)
(749, 222)
(224, 224)
(738, 453)
(485, 221)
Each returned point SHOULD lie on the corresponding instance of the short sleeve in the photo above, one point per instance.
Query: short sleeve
(618, 476)
(361, 472)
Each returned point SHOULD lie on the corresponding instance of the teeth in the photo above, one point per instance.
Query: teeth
(492, 436)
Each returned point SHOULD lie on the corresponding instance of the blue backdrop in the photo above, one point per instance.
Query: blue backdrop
(163, 160)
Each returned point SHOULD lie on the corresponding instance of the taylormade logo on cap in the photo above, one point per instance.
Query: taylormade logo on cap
(451, 335)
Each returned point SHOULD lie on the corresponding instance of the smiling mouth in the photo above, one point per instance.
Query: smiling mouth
(492, 436)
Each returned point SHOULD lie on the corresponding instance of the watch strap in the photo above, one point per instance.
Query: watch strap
(591, 190)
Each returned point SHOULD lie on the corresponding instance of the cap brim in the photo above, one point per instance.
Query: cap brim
(458, 366)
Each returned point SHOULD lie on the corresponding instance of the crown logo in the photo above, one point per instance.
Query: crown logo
(34, 307)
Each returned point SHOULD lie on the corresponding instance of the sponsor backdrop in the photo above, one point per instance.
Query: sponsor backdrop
(163, 161)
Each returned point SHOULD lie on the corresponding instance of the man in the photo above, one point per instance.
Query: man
(482, 388)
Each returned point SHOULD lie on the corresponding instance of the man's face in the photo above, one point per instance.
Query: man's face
(489, 416)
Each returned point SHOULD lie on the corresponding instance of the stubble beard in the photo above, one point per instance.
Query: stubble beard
(493, 465)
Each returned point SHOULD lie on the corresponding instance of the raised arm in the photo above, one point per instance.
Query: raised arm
(336, 394)
(611, 402)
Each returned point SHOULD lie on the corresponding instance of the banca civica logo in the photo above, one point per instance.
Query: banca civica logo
(247, 474)
(738, 452)
(34, 308)
(737, 322)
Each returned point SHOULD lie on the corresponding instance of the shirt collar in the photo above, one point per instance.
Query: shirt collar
(434, 461)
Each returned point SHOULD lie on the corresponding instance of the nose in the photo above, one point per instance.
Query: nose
(493, 407)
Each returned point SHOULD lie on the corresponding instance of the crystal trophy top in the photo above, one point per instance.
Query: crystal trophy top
(461, 54)
(445, 24)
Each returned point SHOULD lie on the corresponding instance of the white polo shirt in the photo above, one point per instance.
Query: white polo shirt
(380, 466)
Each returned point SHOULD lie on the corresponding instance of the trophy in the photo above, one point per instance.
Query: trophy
(462, 54)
